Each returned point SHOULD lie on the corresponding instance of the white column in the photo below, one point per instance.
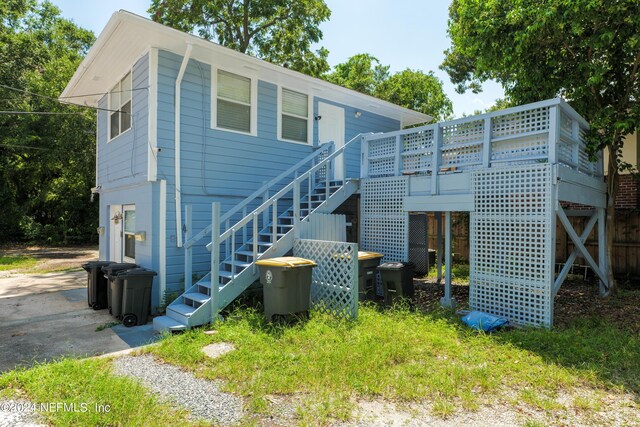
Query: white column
(447, 301)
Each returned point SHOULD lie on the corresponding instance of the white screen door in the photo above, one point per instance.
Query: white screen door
(331, 128)
(115, 233)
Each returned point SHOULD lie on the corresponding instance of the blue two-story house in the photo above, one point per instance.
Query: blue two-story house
(184, 122)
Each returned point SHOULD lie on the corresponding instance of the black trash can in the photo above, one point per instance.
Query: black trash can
(96, 284)
(114, 288)
(367, 263)
(397, 280)
(286, 283)
(136, 295)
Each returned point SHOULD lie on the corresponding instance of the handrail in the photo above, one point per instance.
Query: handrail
(259, 192)
(267, 203)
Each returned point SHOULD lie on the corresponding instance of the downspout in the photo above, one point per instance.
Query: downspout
(183, 68)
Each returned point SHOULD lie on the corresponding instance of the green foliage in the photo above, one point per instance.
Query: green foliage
(279, 31)
(412, 89)
(91, 382)
(361, 72)
(418, 91)
(46, 161)
(404, 355)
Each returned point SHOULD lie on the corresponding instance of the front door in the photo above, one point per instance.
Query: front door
(115, 233)
(331, 128)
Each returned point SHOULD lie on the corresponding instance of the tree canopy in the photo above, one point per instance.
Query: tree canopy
(412, 89)
(586, 51)
(47, 161)
(279, 31)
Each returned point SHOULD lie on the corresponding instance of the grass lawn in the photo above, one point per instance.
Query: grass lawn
(89, 382)
(406, 356)
(8, 262)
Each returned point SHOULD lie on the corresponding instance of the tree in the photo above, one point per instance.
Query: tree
(411, 89)
(361, 72)
(418, 91)
(278, 31)
(586, 51)
(47, 162)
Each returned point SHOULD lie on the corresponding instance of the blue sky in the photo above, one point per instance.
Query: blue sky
(400, 33)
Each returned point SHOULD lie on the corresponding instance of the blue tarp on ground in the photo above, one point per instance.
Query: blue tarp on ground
(484, 321)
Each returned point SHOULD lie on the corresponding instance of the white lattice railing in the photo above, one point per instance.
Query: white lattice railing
(543, 132)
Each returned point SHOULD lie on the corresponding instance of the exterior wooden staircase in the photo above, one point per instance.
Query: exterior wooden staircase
(266, 232)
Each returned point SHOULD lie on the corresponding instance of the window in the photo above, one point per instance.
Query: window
(233, 102)
(120, 107)
(129, 232)
(295, 116)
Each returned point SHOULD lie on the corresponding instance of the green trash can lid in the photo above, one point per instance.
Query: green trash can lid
(285, 261)
(395, 265)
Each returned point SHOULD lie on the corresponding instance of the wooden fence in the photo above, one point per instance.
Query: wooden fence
(626, 246)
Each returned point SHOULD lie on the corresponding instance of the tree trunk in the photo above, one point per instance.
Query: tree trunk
(612, 190)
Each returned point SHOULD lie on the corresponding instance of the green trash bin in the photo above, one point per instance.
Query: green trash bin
(397, 281)
(286, 283)
(114, 288)
(96, 284)
(367, 263)
(136, 295)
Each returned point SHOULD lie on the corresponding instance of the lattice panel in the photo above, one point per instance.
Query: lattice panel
(564, 150)
(382, 156)
(518, 149)
(523, 121)
(511, 244)
(334, 288)
(384, 224)
(460, 133)
(417, 151)
(418, 243)
(469, 154)
(321, 173)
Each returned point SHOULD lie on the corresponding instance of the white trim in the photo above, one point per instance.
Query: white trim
(110, 107)
(310, 117)
(152, 120)
(162, 237)
(178, 129)
(135, 33)
(253, 120)
(126, 208)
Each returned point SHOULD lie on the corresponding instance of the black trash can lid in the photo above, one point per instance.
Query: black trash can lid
(395, 265)
(136, 272)
(117, 266)
(96, 264)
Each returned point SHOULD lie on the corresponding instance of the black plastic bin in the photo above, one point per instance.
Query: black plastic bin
(96, 284)
(397, 280)
(114, 289)
(367, 263)
(286, 285)
(136, 295)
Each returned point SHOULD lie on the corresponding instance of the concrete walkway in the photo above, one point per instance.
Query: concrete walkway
(45, 316)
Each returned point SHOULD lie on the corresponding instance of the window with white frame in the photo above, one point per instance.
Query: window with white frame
(129, 233)
(120, 107)
(295, 116)
(233, 102)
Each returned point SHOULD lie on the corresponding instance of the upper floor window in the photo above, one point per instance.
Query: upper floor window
(234, 101)
(295, 116)
(120, 107)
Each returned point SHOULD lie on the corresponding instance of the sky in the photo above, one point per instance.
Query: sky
(400, 33)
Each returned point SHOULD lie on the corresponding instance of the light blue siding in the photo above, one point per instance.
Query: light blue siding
(123, 160)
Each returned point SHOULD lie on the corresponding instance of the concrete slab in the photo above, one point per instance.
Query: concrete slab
(43, 317)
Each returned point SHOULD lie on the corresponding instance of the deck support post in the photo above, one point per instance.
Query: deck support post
(447, 301)
(439, 249)
(602, 248)
(215, 260)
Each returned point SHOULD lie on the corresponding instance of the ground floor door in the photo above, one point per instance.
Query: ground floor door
(122, 239)
(115, 233)
(331, 128)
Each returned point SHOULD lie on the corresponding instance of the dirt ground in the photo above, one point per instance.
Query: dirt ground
(50, 259)
(577, 298)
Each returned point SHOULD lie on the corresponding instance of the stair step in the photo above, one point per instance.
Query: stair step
(196, 296)
(227, 274)
(167, 324)
(265, 233)
(182, 309)
(242, 264)
(248, 253)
